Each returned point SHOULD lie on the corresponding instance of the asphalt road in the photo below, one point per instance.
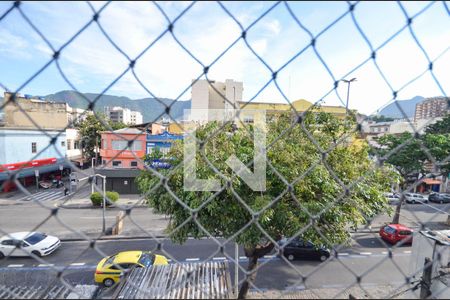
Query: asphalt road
(77, 261)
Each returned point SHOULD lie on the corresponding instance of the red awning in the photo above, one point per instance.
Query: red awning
(431, 181)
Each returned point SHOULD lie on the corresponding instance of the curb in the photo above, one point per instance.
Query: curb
(90, 206)
(116, 237)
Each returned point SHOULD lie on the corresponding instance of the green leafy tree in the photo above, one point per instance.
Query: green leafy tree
(302, 197)
(440, 127)
(90, 129)
(405, 154)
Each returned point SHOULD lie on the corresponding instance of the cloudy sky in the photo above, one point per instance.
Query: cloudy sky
(91, 62)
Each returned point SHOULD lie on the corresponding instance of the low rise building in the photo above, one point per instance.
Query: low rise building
(162, 142)
(115, 150)
(32, 140)
(124, 115)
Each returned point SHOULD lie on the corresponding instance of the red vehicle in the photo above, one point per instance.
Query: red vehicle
(394, 233)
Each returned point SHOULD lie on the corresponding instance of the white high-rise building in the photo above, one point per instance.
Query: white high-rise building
(211, 95)
(124, 115)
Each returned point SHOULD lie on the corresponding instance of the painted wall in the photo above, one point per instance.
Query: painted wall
(126, 156)
(15, 145)
(48, 115)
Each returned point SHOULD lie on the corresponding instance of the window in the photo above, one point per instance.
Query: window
(8, 243)
(69, 144)
(33, 148)
(119, 145)
(35, 238)
(76, 145)
(134, 164)
(389, 229)
(123, 145)
(63, 143)
(405, 232)
(117, 163)
(137, 145)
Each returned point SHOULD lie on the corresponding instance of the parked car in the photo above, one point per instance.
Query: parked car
(392, 197)
(299, 249)
(414, 198)
(110, 269)
(394, 233)
(44, 184)
(439, 198)
(37, 243)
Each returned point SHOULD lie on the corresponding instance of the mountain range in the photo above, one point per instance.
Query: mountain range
(150, 108)
(408, 106)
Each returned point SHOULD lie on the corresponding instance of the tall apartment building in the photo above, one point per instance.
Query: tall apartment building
(124, 115)
(207, 96)
(432, 108)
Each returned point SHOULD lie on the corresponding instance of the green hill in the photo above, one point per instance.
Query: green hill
(150, 108)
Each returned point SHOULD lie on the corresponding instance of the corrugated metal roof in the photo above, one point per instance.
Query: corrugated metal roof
(208, 280)
(129, 131)
(34, 292)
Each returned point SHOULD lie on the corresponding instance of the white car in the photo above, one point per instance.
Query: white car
(415, 198)
(392, 197)
(37, 243)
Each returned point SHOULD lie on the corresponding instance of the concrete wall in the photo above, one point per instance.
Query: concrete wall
(72, 135)
(15, 145)
(47, 115)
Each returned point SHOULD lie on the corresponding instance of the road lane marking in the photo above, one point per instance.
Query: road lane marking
(365, 253)
(385, 252)
(269, 256)
(192, 259)
(219, 258)
(77, 264)
(343, 254)
(407, 251)
(242, 257)
(45, 265)
(15, 266)
(111, 217)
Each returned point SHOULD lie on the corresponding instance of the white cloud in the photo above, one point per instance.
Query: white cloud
(91, 62)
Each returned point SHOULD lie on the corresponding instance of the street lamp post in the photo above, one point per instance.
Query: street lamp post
(348, 92)
(104, 200)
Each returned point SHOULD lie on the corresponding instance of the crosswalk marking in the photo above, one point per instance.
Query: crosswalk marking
(44, 196)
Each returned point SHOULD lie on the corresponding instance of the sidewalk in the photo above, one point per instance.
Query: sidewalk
(370, 292)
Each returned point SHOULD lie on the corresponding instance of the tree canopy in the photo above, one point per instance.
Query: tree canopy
(90, 129)
(302, 196)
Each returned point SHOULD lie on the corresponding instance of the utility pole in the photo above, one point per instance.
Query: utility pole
(348, 92)
(425, 286)
(236, 269)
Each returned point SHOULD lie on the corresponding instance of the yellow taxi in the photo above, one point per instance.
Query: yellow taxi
(110, 268)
